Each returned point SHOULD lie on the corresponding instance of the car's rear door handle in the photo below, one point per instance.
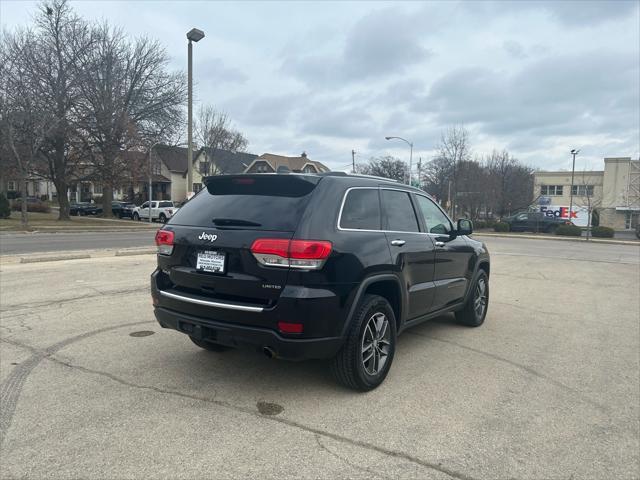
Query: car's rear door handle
(398, 243)
(440, 244)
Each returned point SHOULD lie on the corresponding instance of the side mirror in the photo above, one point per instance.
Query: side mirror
(465, 227)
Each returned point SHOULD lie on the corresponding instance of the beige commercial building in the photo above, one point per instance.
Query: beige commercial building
(613, 193)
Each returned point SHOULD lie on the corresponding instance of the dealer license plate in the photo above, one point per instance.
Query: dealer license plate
(210, 261)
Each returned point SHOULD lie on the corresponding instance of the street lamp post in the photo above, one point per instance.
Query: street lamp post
(410, 153)
(193, 35)
(574, 152)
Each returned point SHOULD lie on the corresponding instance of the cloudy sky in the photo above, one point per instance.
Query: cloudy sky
(537, 78)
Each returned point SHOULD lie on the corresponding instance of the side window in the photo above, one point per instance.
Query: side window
(145, 205)
(436, 221)
(361, 210)
(522, 216)
(398, 212)
(166, 204)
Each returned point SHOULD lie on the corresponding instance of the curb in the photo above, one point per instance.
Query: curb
(59, 257)
(562, 239)
(76, 230)
(54, 259)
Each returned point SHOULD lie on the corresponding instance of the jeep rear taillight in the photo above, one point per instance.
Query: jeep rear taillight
(303, 254)
(164, 241)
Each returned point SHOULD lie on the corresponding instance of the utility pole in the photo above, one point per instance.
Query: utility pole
(574, 152)
(353, 161)
(193, 35)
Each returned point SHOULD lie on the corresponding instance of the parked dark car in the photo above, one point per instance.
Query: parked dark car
(84, 208)
(535, 222)
(122, 209)
(315, 266)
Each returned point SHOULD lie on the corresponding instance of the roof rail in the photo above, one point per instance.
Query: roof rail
(360, 175)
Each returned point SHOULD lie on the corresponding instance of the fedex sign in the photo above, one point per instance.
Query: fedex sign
(579, 215)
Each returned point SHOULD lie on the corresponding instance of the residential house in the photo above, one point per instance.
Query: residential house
(269, 163)
(168, 167)
(219, 162)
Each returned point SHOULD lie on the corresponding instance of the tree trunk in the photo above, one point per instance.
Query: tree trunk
(24, 220)
(62, 190)
(107, 198)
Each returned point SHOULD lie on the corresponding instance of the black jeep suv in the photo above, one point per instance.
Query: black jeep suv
(315, 266)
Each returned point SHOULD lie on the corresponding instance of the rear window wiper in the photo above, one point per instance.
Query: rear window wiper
(235, 222)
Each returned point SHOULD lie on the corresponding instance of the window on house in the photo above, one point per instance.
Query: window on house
(262, 168)
(552, 190)
(97, 188)
(36, 188)
(197, 187)
(11, 186)
(582, 190)
(156, 168)
(204, 168)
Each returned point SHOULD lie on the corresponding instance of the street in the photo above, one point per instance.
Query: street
(548, 387)
(19, 243)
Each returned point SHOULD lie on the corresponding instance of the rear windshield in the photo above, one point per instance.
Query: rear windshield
(257, 202)
(166, 204)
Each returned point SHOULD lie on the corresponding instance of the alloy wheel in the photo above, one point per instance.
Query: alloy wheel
(376, 341)
(480, 300)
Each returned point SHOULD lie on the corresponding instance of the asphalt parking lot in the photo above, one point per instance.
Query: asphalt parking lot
(548, 387)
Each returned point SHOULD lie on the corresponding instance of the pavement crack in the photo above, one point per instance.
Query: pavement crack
(525, 368)
(347, 462)
(48, 303)
(284, 421)
(11, 387)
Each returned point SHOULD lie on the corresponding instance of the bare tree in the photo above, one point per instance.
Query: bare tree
(23, 126)
(214, 132)
(437, 179)
(510, 183)
(454, 149)
(58, 38)
(126, 92)
(584, 188)
(387, 167)
(471, 192)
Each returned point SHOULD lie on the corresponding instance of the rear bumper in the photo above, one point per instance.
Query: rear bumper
(322, 313)
(243, 336)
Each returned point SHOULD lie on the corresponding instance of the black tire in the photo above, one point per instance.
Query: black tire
(212, 347)
(350, 367)
(136, 217)
(471, 315)
(163, 218)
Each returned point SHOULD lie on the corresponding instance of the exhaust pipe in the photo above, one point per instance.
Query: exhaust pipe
(268, 351)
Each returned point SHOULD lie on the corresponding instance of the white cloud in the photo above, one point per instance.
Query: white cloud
(537, 77)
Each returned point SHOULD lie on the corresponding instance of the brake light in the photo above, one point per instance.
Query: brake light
(164, 241)
(279, 252)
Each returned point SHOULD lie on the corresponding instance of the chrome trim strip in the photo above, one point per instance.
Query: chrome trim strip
(208, 303)
(344, 199)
